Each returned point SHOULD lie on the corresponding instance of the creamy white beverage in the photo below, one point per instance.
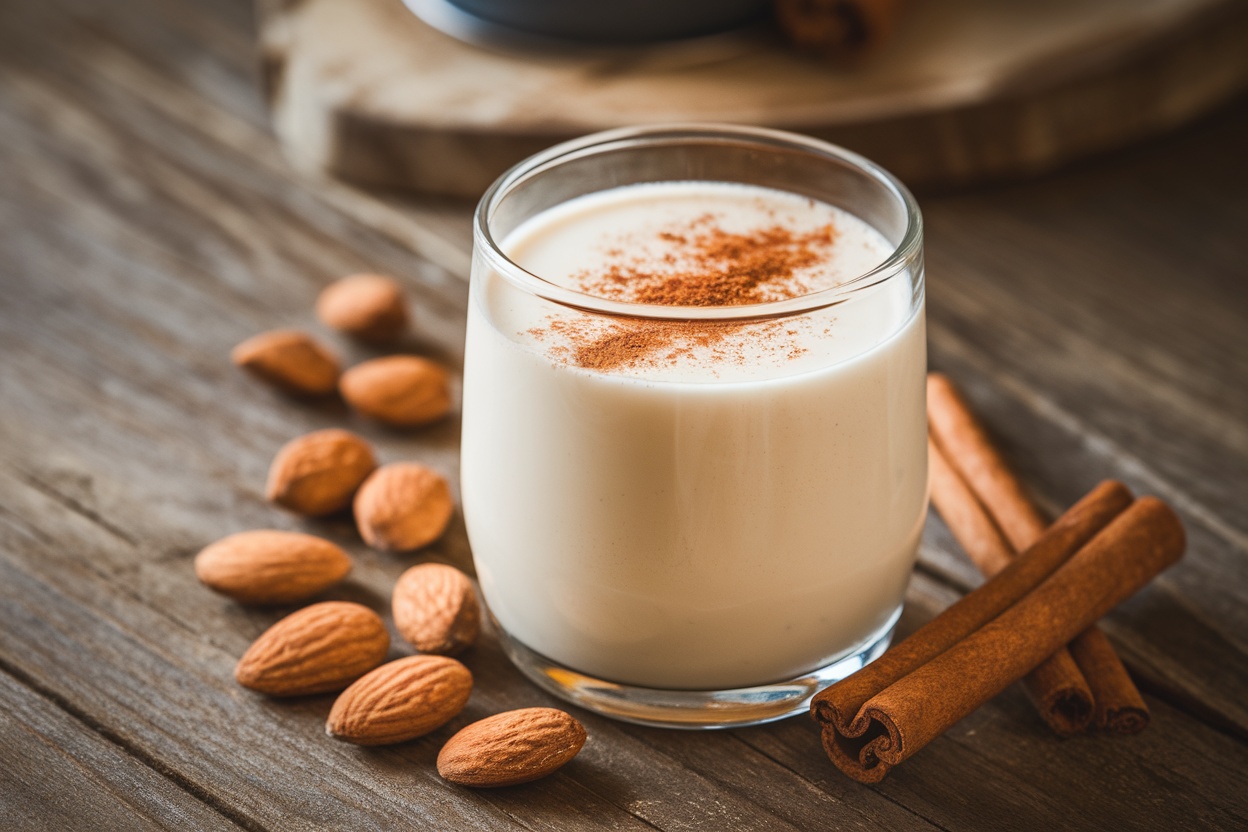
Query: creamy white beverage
(694, 505)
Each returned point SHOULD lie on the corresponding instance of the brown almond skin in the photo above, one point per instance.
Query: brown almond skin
(436, 609)
(403, 506)
(370, 307)
(511, 748)
(401, 390)
(271, 567)
(400, 701)
(319, 649)
(318, 473)
(290, 360)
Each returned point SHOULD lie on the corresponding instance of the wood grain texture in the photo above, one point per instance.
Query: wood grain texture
(148, 223)
(965, 90)
(57, 773)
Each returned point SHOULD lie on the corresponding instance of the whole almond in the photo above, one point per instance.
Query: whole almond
(319, 649)
(403, 506)
(319, 472)
(511, 748)
(290, 360)
(436, 609)
(400, 390)
(271, 567)
(400, 701)
(370, 307)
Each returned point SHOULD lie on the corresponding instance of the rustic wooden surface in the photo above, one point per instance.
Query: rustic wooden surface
(1098, 319)
(965, 90)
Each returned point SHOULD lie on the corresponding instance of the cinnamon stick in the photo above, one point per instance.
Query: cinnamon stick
(1057, 687)
(968, 448)
(1090, 666)
(870, 726)
(837, 28)
(1073, 529)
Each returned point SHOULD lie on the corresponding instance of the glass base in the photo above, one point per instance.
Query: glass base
(694, 709)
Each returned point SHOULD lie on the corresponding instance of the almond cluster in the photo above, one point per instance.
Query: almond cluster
(342, 646)
(397, 507)
(339, 646)
(403, 391)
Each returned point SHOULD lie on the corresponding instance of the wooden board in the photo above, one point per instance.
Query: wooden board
(148, 222)
(967, 90)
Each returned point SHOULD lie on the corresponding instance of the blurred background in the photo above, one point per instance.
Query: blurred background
(440, 96)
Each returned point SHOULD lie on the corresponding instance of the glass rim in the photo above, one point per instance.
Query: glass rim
(621, 138)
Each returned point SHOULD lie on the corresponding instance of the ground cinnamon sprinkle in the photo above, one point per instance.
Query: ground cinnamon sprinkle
(626, 342)
(713, 267)
(702, 265)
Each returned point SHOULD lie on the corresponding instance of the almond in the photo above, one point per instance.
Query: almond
(271, 567)
(403, 506)
(290, 360)
(318, 649)
(436, 609)
(319, 472)
(370, 307)
(400, 390)
(400, 701)
(511, 748)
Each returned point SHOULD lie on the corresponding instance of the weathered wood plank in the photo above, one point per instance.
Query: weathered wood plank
(56, 773)
(165, 690)
(1113, 294)
(142, 47)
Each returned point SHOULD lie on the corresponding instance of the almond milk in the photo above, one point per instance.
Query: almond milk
(718, 512)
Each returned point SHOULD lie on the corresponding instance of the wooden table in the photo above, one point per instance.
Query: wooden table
(1097, 318)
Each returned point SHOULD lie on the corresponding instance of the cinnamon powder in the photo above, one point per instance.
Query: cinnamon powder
(707, 266)
(627, 342)
(702, 265)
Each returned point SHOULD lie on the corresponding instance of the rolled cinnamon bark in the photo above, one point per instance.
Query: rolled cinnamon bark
(868, 729)
(965, 516)
(840, 703)
(837, 28)
(1058, 691)
(1057, 687)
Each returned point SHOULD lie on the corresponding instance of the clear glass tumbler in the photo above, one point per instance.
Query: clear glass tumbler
(710, 550)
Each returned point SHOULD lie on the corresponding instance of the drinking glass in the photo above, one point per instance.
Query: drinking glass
(706, 551)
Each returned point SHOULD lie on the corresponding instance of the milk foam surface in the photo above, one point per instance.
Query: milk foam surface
(569, 242)
(734, 514)
(572, 243)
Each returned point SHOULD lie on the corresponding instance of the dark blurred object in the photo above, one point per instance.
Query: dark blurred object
(837, 28)
(631, 22)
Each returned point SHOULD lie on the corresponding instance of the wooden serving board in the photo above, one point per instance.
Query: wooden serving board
(966, 90)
